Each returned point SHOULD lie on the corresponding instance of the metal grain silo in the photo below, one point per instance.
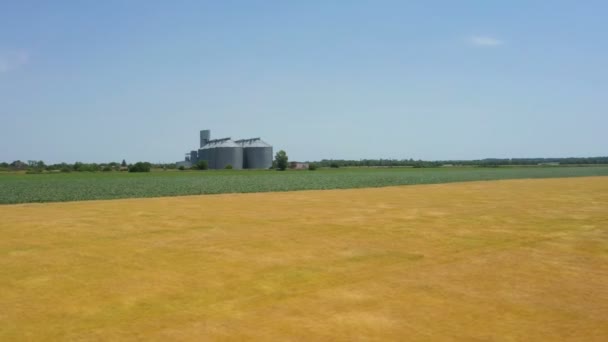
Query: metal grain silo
(207, 153)
(257, 154)
(193, 157)
(203, 154)
(222, 152)
(227, 152)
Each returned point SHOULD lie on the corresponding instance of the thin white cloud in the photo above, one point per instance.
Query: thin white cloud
(485, 41)
(12, 59)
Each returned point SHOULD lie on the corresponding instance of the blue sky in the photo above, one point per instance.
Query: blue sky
(98, 81)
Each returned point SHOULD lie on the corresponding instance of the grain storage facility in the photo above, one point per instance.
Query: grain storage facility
(241, 154)
(220, 153)
(257, 154)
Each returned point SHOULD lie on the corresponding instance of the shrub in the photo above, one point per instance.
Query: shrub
(312, 167)
(334, 165)
(78, 166)
(228, 167)
(201, 165)
(106, 168)
(181, 168)
(140, 167)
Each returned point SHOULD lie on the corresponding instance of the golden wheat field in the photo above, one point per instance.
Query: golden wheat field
(502, 260)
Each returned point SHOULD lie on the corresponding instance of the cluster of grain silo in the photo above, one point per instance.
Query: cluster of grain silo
(241, 154)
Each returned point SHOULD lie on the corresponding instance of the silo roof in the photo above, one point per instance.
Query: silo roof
(253, 142)
(225, 142)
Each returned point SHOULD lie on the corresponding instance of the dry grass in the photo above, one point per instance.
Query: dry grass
(505, 260)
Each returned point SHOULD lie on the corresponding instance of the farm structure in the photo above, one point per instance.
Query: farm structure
(298, 165)
(251, 153)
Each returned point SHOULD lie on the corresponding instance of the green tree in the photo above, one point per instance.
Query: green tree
(18, 164)
(281, 160)
(202, 165)
(312, 167)
(140, 167)
(228, 167)
(124, 163)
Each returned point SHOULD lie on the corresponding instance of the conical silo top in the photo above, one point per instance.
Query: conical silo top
(216, 143)
(253, 142)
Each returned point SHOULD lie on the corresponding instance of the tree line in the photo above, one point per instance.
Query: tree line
(488, 162)
(281, 163)
(39, 166)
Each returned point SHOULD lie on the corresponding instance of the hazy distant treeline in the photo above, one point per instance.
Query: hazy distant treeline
(40, 166)
(37, 166)
(490, 162)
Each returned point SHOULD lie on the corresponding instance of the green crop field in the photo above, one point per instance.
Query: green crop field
(25, 188)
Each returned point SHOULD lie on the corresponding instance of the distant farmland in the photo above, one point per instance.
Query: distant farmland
(24, 188)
